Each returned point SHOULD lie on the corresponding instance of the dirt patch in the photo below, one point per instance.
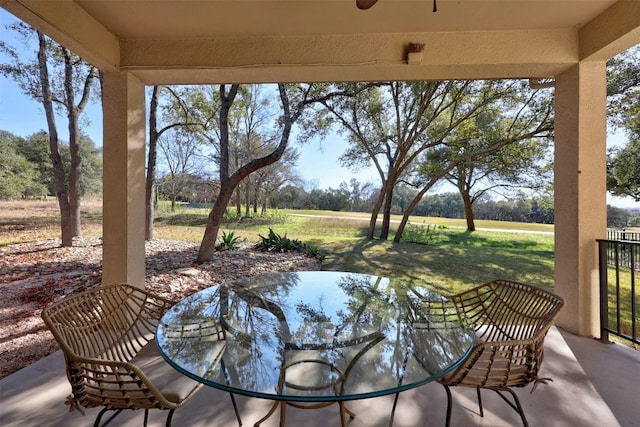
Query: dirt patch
(38, 271)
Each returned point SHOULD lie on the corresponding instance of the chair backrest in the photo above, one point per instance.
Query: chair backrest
(508, 310)
(111, 322)
(100, 331)
(511, 321)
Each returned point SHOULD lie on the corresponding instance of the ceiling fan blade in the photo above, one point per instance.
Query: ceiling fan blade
(365, 4)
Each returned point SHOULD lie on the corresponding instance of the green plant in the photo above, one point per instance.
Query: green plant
(277, 243)
(313, 251)
(420, 233)
(228, 241)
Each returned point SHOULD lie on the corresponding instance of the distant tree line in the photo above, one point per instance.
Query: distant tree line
(26, 170)
(360, 197)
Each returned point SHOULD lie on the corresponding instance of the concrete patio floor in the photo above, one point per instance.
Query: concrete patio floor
(593, 384)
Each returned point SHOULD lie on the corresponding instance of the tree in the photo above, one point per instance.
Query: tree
(623, 96)
(295, 99)
(623, 170)
(527, 121)
(358, 194)
(36, 150)
(623, 90)
(91, 168)
(523, 118)
(251, 137)
(268, 180)
(19, 178)
(230, 179)
(289, 197)
(69, 89)
(387, 125)
(394, 124)
(181, 152)
(176, 114)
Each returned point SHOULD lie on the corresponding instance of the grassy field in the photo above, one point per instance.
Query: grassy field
(440, 252)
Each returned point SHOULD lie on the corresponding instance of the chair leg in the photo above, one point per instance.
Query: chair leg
(99, 417)
(449, 405)
(235, 409)
(169, 417)
(102, 412)
(515, 406)
(480, 402)
(146, 417)
(393, 409)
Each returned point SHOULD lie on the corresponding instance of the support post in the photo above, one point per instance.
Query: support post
(124, 178)
(580, 193)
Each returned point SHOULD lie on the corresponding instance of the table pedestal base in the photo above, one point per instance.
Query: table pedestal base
(344, 411)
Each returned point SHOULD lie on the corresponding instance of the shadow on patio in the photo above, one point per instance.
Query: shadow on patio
(594, 385)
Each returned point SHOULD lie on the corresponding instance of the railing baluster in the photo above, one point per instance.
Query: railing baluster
(617, 265)
(603, 249)
(620, 255)
(632, 265)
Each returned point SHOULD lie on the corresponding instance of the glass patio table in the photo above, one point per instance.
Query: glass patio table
(310, 339)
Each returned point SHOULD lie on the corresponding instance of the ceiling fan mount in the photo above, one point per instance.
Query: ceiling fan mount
(366, 4)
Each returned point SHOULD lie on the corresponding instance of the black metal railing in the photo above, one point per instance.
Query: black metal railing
(619, 291)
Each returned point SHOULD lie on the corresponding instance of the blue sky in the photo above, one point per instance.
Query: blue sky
(318, 162)
(23, 116)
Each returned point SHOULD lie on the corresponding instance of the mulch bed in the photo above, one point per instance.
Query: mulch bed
(34, 274)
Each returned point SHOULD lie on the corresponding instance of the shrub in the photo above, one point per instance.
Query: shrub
(228, 241)
(423, 233)
(277, 243)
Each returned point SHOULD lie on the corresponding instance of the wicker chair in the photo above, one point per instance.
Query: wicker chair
(107, 337)
(511, 320)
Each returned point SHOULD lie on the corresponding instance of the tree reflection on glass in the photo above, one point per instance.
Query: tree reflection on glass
(314, 336)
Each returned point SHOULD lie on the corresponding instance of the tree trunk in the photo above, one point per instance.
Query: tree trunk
(227, 186)
(56, 159)
(386, 213)
(74, 148)
(410, 208)
(152, 158)
(468, 211)
(238, 200)
(238, 192)
(247, 197)
(256, 194)
(374, 213)
(464, 179)
(208, 244)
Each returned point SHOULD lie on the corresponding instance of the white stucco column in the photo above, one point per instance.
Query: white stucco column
(124, 175)
(580, 192)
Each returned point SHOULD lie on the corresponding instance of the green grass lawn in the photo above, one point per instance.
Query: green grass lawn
(445, 257)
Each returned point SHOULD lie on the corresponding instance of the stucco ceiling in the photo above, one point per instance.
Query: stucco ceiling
(204, 19)
(184, 41)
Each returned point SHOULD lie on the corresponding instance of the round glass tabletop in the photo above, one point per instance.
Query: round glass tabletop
(314, 336)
